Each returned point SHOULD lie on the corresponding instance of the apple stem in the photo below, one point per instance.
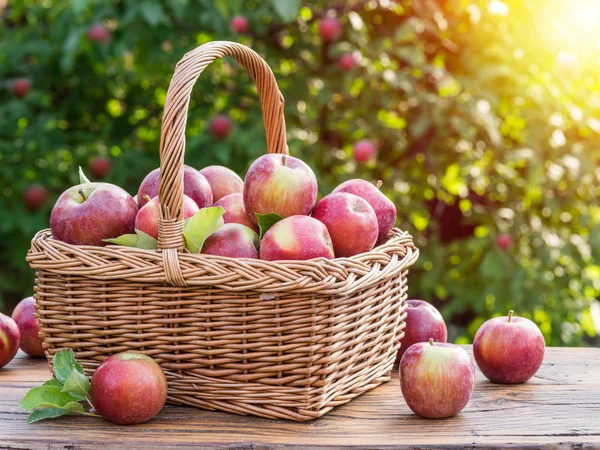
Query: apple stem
(146, 197)
(283, 160)
(510, 314)
(430, 341)
(379, 184)
(82, 194)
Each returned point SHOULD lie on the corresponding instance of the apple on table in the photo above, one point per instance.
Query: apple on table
(24, 316)
(10, 337)
(423, 322)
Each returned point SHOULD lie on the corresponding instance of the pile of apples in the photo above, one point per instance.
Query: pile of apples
(272, 215)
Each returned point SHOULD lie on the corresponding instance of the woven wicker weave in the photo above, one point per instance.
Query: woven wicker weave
(287, 339)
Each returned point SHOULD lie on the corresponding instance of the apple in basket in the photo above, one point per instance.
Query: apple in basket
(88, 213)
(223, 181)
(9, 339)
(279, 184)
(195, 186)
(233, 204)
(233, 240)
(148, 215)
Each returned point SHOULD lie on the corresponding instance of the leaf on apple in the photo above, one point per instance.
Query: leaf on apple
(82, 178)
(201, 225)
(137, 240)
(266, 221)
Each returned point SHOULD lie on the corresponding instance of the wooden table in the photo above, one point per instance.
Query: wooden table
(559, 408)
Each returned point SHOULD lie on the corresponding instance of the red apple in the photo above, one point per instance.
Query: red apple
(232, 240)
(223, 181)
(235, 211)
(9, 339)
(148, 215)
(504, 241)
(87, 214)
(239, 24)
(99, 33)
(296, 238)
(195, 186)
(509, 349)
(364, 151)
(24, 316)
(330, 29)
(351, 222)
(279, 184)
(423, 322)
(383, 206)
(437, 379)
(35, 197)
(100, 166)
(220, 126)
(128, 388)
(347, 62)
(21, 87)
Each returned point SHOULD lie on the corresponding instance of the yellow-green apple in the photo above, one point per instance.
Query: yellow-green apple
(100, 166)
(88, 213)
(351, 222)
(233, 240)
(279, 184)
(21, 87)
(24, 316)
(233, 204)
(9, 339)
(223, 181)
(509, 349)
(383, 206)
(296, 238)
(148, 215)
(364, 151)
(330, 29)
(423, 321)
(35, 196)
(128, 388)
(220, 126)
(195, 186)
(437, 379)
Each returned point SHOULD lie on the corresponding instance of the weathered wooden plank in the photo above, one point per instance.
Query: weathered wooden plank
(560, 408)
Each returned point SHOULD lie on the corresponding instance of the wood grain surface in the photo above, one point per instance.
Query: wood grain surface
(559, 408)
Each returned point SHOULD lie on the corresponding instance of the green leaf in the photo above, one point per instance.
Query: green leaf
(53, 382)
(77, 384)
(266, 221)
(64, 364)
(201, 225)
(78, 6)
(45, 397)
(50, 413)
(153, 13)
(286, 9)
(137, 240)
(82, 178)
(495, 265)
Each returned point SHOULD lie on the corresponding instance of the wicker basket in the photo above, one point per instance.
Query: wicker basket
(287, 339)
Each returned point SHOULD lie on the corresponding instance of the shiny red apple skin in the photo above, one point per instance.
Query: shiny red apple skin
(509, 352)
(21, 87)
(195, 186)
(364, 151)
(35, 197)
(437, 379)
(330, 29)
(10, 337)
(423, 321)
(223, 181)
(100, 166)
(239, 24)
(279, 184)
(24, 316)
(128, 388)
(351, 222)
(232, 240)
(107, 212)
(220, 126)
(235, 211)
(296, 238)
(383, 206)
(148, 215)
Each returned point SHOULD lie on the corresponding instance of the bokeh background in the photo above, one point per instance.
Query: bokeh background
(485, 114)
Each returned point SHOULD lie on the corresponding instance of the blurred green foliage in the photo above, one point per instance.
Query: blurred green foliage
(481, 130)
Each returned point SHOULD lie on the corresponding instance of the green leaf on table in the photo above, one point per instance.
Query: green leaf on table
(201, 225)
(51, 413)
(82, 178)
(45, 397)
(287, 10)
(77, 384)
(266, 221)
(53, 382)
(137, 240)
(64, 364)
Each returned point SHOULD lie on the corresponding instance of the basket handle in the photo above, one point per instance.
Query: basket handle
(172, 141)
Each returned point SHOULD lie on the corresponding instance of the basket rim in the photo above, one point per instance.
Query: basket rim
(114, 262)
